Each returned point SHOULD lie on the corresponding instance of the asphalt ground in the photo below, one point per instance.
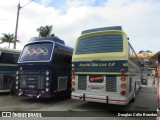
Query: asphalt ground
(68, 109)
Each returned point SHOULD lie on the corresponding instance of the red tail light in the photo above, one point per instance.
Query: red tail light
(73, 83)
(73, 89)
(123, 85)
(73, 71)
(73, 77)
(123, 78)
(123, 71)
(123, 93)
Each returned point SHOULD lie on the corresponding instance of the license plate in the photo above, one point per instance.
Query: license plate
(96, 88)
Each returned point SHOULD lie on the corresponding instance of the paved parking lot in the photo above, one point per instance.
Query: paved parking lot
(145, 101)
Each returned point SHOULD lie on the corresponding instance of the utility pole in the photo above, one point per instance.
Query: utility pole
(19, 7)
(16, 30)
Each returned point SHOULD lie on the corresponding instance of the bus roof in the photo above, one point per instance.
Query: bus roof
(9, 50)
(101, 29)
(54, 38)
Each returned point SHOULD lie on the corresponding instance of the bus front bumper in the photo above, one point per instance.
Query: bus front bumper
(35, 94)
(100, 99)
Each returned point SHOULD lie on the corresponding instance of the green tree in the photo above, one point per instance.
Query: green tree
(45, 31)
(8, 38)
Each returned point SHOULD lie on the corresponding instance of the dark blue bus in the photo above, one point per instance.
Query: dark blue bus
(44, 68)
(8, 68)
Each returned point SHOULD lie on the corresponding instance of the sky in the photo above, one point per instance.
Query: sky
(140, 19)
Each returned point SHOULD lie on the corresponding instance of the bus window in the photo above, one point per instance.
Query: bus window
(104, 43)
(61, 57)
(9, 58)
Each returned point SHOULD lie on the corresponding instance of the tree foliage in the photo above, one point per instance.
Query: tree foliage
(8, 38)
(45, 31)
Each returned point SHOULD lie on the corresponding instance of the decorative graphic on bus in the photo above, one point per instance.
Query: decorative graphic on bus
(101, 66)
(37, 51)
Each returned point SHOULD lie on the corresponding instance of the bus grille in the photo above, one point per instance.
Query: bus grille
(40, 83)
(82, 82)
(23, 82)
(36, 67)
(111, 84)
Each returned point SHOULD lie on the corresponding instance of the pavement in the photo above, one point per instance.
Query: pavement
(145, 101)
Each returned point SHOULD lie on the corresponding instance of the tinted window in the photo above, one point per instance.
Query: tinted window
(100, 44)
(62, 57)
(37, 52)
(9, 58)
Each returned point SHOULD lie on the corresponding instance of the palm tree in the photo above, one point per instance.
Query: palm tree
(8, 38)
(45, 31)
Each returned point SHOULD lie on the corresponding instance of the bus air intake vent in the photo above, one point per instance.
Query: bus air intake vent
(62, 83)
(82, 82)
(111, 83)
(23, 82)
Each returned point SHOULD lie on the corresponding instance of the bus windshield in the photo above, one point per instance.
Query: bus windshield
(100, 43)
(37, 52)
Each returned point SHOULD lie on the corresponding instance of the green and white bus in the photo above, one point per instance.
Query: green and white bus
(105, 67)
(8, 68)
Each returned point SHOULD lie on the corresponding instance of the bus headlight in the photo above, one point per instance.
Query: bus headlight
(47, 89)
(47, 72)
(47, 78)
(16, 82)
(47, 83)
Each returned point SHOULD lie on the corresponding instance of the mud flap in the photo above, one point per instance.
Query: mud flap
(84, 97)
(107, 99)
